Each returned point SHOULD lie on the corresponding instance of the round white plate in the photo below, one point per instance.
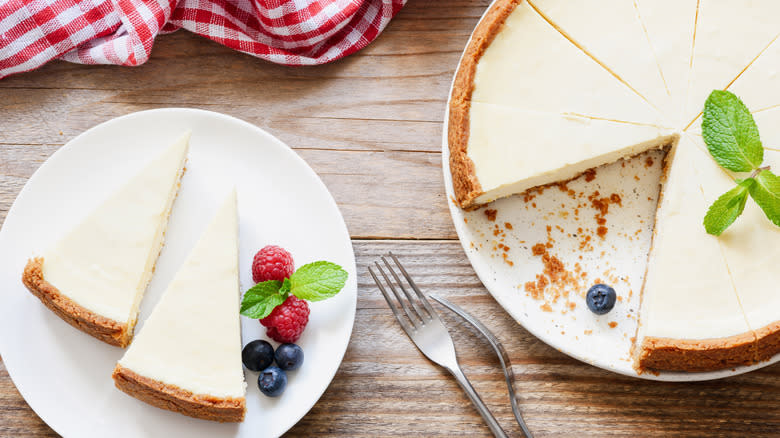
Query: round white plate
(619, 260)
(64, 374)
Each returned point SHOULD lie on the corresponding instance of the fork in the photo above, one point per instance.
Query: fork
(503, 356)
(428, 333)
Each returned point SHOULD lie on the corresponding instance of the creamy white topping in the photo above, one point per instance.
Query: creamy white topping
(688, 293)
(671, 36)
(727, 40)
(624, 49)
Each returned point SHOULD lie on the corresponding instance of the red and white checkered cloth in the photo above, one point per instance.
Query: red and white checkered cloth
(291, 32)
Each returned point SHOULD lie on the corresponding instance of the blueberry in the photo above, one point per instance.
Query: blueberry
(289, 357)
(257, 355)
(272, 381)
(601, 299)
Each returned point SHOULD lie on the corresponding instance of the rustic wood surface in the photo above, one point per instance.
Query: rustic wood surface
(370, 125)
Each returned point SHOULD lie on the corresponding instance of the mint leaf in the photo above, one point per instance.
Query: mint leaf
(261, 299)
(731, 133)
(725, 210)
(317, 281)
(285, 289)
(766, 193)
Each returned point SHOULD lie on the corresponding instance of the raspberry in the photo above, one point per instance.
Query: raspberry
(272, 263)
(287, 321)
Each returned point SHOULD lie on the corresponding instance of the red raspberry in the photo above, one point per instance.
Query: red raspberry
(272, 263)
(287, 321)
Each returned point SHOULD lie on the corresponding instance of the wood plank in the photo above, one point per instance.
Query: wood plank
(385, 387)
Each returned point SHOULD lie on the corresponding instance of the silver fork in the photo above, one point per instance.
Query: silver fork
(428, 333)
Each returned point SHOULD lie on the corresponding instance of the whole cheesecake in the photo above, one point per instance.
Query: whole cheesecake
(95, 276)
(187, 357)
(547, 89)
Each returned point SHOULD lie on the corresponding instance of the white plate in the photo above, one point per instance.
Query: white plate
(65, 375)
(619, 259)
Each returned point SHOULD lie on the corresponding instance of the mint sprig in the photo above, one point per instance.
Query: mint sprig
(312, 282)
(731, 136)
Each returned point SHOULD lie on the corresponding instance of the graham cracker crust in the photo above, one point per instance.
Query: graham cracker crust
(666, 354)
(175, 399)
(768, 340)
(106, 329)
(464, 181)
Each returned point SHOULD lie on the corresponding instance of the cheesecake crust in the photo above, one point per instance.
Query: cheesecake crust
(176, 399)
(106, 329)
(667, 354)
(464, 180)
(768, 340)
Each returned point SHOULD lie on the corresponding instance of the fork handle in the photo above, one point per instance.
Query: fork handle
(477, 401)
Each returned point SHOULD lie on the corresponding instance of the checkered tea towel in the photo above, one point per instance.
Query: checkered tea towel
(290, 32)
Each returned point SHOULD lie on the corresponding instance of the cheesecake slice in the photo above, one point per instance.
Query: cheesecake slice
(690, 318)
(95, 276)
(187, 356)
(499, 162)
(751, 248)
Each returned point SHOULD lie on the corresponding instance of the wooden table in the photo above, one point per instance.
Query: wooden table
(370, 125)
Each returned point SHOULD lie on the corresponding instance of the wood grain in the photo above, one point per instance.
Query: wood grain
(370, 125)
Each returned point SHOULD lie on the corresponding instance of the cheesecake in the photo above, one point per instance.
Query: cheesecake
(547, 89)
(187, 356)
(95, 276)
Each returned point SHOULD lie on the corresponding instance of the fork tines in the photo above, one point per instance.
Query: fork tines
(418, 315)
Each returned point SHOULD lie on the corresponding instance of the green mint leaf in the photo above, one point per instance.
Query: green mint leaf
(766, 193)
(285, 289)
(317, 281)
(725, 210)
(261, 299)
(731, 133)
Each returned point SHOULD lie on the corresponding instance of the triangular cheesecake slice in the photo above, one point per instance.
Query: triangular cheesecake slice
(187, 357)
(690, 318)
(751, 247)
(95, 276)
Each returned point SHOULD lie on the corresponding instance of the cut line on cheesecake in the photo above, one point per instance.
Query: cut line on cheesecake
(587, 52)
(744, 69)
(652, 48)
